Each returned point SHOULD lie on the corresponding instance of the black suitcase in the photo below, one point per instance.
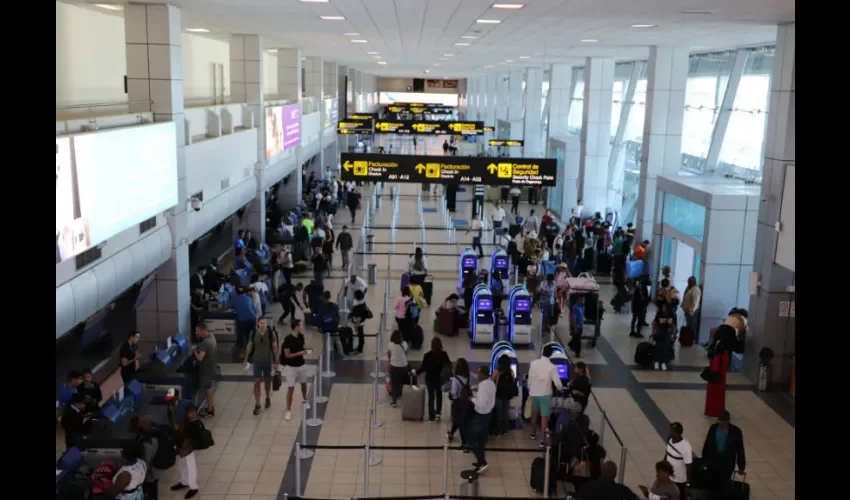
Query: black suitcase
(603, 263)
(740, 489)
(428, 289)
(587, 260)
(644, 354)
(513, 230)
(417, 337)
(538, 471)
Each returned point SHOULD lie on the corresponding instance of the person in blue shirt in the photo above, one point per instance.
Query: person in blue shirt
(245, 315)
(576, 325)
(69, 388)
(240, 241)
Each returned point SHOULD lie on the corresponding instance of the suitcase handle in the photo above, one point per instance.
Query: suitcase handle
(739, 473)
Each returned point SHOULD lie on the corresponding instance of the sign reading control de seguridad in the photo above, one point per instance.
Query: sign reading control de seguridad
(448, 169)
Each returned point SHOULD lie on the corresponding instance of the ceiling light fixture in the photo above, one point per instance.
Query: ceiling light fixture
(109, 6)
(469, 37)
(332, 18)
(359, 41)
(435, 64)
(501, 62)
(372, 53)
(589, 40)
(703, 12)
(351, 34)
(487, 21)
(427, 71)
(448, 55)
(512, 6)
(462, 44)
(444, 59)
(382, 63)
(376, 57)
(644, 26)
(509, 60)
(273, 51)
(525, 57)
(313, 1)
(198, 30)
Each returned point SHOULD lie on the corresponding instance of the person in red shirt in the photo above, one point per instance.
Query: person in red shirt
(640, 251)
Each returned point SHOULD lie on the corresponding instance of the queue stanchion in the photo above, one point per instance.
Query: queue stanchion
(622, 471)
(366, 471)
(373, 458)
(328, 373)
(446, 471)
(319, 398)
(314, 421)
(378, 347)
(516, 275)
(298, 451)
(303, 453)
(547, 464)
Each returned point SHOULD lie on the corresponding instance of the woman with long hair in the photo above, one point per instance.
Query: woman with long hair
(715, 374)
(506, 390)
(663, 488)
(398, 366)
(433, 365)
(460, 410)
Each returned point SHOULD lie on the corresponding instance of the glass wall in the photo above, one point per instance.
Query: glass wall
(743, 146)
(708, 76)
(557, 150)
(631, 147)
(684, 215)
(574, 119)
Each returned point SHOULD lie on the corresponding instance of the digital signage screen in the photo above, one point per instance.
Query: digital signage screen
(470, 262)
(485, 304)
(501, 263)
(95, 199)
(522, 305)
(283, 128)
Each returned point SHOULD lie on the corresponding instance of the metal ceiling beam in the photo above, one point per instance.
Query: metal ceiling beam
(722, 122)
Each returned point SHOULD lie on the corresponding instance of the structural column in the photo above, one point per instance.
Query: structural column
(490, 99)
(330, 82)
(596, 133)
(314, 68)
(289, 83)
(533, 133)
(767, 326)
(515, 105)
(661, 153)
(155, 83)
(560, 96)
(502, 85)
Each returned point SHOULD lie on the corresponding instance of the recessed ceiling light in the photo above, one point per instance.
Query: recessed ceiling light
(509, 60)
(501, 62)
(448, 55)
(469, 37)
(703, 12)
(427, 71)
(512, 6)
(372, 53)
(488, 21)
(376, 57)
(351, 34)
(198, 30)
(444, 59)
(462, 44)
(435, 64)
(382, 62)
(313, 1)
(358, 41)
(109, 6)
(525, 57)
(644, 25)
(489, 66)
(589, 40)
(271, 50)
(332, 18)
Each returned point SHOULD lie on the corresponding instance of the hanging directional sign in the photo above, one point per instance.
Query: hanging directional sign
(448, 169)
(426, 127)
(352, 126)
(508, 143)
(488, 128)
(362, 116)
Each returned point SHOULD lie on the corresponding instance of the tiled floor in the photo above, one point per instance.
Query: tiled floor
(252, 459)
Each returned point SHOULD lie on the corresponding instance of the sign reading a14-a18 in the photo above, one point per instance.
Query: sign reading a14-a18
(354, 126)
(448, 169)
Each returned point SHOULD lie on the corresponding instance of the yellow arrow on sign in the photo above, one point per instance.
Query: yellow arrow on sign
(491, 168)
(347, 166)
(420, 168)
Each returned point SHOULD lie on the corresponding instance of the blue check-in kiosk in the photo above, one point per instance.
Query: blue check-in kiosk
(482, 320)
(500, 349)
(560, 360)
(499, 276)
(468, 266)
(520, 325)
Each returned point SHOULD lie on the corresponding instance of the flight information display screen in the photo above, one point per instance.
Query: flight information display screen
(523, 305)
(470, 262)
(485, 304)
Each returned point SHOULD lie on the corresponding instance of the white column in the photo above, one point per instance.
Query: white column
(532, 134)
(491, 96)
(596, 133)
(560, 95)
(359, 97)
(289, 66)
(472, 99)
(766, 327)
(502, 86)
(155, 73)
(667, 75)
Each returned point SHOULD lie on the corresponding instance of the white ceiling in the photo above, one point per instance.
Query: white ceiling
(412, 35)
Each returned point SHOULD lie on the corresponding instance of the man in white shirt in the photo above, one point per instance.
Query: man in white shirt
(476, 227)
(680, 455)
(577, 212)
(479, 424)
(498, 216)
(355, 283)
(541, 375)
(515, 194)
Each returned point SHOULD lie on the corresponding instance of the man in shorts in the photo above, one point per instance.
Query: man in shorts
(541, 375)
(206, 354)
(294, 369)
(263, 345)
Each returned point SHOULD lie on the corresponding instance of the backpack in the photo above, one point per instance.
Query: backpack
(412, 309)
(166, 450)
(329, 318)
(463, 402)
(201, 437)
(272, 332)
(102, 477)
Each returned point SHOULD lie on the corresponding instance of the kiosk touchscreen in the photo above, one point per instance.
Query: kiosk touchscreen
(500, 349)
(519, 316)
(560, 360)
(499, 275)
(482, 324)
(467, 266)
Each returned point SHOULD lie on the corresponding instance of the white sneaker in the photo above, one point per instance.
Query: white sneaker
(664, 367)
(288, 416)
(657, 365)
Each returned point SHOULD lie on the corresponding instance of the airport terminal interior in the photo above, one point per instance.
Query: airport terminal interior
(606, 185)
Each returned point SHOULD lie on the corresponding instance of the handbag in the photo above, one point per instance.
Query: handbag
(582, 468)
(710, 376)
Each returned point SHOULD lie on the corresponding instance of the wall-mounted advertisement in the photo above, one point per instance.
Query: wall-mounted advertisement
(418, 97)
(111, 180)
(283, 129)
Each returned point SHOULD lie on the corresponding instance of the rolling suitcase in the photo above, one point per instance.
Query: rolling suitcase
(445, 319)
(686, 336)
(740, 489)
(428, 289)
(413, 403)
(405, 281)
(417, 337)
(644, 354)
(587, 260)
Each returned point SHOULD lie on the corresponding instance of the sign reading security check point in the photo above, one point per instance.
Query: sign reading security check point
(448, 169)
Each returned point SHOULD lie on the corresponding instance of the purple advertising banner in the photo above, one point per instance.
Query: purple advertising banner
(291, 121)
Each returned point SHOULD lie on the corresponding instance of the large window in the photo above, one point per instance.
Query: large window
(744, 142)
(708, 76)
(574, 119)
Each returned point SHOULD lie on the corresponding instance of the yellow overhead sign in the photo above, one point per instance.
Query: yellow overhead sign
(510, 143)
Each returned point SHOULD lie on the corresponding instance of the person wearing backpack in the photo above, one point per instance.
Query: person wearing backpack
(360, 312)
(460, 394)
(400, 309)
(127, 483)
(417, 267)
(438, 370)
(262, 350)
(506, 390)
(192, 435)
(159, 452)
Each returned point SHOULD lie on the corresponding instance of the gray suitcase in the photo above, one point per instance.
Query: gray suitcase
(413, 402)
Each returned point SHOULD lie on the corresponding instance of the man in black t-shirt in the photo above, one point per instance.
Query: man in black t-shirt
(580, 385)
(129, 355)
(320, 265)
(294, 369)
(605, 488)
(288, 296)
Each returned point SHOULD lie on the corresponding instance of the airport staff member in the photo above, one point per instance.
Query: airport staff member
(479, 425)
(129, 355)
(75, 420)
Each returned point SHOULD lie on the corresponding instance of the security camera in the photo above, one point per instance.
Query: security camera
(197, 203)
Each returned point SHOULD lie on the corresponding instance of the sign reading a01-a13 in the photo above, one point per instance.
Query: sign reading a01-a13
(354, 126)
(448, 169)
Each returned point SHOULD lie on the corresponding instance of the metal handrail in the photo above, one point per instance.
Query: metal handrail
(103, 104)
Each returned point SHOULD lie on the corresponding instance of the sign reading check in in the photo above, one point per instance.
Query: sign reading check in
(448, 169)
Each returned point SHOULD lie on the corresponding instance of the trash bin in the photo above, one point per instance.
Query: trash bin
(765, 358)
(468, 483)
(370, 242)
(373, 274)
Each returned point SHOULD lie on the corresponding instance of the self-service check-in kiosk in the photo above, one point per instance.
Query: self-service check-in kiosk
(560, 360)
(504, 348)
(468, 266)
(519, 316)
(499, 276)
(482, 320)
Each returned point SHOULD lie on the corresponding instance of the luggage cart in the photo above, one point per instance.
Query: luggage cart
(585, 284)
